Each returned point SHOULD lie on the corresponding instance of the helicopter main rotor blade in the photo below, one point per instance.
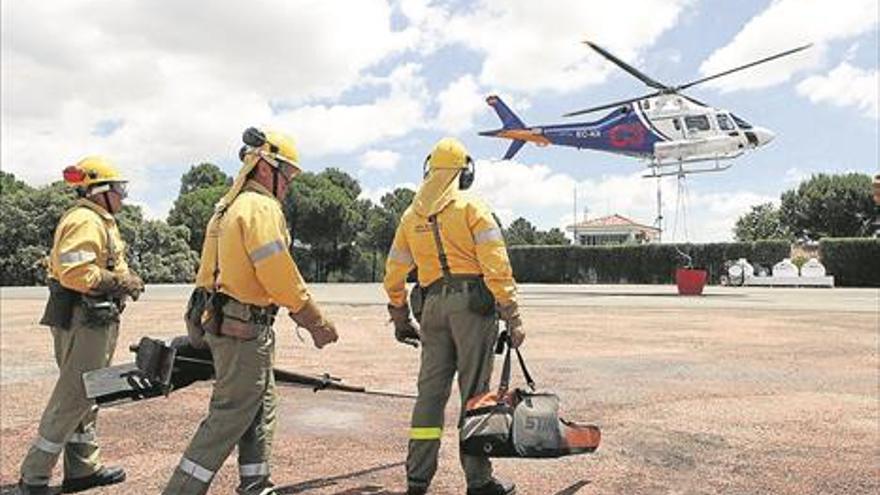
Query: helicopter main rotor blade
(611, 105)
(625, 66)
(731, 71)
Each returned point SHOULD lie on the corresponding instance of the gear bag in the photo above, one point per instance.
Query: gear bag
(522, 423)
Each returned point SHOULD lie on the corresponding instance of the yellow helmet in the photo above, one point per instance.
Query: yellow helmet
(90, 171)
(448, 153)
(270, 145)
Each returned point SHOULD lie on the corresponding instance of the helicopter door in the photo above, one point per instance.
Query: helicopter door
(679, 130)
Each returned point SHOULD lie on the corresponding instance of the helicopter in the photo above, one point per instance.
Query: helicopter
(675, 133)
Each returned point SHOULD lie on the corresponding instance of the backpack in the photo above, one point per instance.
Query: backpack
(522, 423)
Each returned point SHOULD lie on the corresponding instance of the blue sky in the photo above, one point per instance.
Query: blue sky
(368, 86)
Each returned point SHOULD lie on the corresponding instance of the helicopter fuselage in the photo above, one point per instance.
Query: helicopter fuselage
(662, 130)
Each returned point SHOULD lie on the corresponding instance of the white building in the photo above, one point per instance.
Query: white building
(613, 229)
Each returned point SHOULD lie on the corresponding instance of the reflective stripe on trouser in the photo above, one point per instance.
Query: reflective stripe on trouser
(69, 418)
(454, 339)
(242, 412)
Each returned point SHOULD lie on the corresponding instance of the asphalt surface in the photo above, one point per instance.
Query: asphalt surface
(743, 390)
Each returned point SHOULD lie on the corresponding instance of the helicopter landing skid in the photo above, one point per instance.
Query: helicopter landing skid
(683, 169)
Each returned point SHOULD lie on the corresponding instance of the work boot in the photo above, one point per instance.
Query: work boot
(494, 487)
(416, 490)
(256, 485)
(102, 477)
(25, 489)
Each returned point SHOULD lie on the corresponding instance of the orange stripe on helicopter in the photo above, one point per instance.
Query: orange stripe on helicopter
(524, 135)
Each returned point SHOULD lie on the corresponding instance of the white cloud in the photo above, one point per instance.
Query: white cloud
(786, 24)
(386, 160)
(460, 102)
(530, 47)
(183, 79)
(375, 194)
(708, 216)
(845, 86)
(325, 129)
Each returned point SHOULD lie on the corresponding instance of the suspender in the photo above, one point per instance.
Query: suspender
(441, 253)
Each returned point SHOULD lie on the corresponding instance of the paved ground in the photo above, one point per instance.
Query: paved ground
(744, 390)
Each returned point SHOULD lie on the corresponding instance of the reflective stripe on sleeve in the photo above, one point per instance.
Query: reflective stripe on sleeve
(401, 256)
(266, 250)
(261, 469)
(425, 433)
(76, 257)
(488, 235)
(47, 446)
(196, 471)
(87, 437)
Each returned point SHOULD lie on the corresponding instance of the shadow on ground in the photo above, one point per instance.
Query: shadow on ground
(574, 488)
(317, 483)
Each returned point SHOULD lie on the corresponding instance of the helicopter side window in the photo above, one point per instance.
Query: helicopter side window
(740, 122)
(724, 123)
(697, 123)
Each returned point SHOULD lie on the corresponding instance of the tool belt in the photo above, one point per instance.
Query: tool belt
(244, 321)
(59, 308)
(480, 298)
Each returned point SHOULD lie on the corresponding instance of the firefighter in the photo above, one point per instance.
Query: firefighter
(89, 282)
(247, 268)
(455, 244)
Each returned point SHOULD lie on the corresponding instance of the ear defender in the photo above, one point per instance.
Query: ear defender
(425, 167)
(253, 137)
(467, 175)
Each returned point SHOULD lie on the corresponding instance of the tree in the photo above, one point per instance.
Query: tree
(203, 176)
(381, 225)
(761, 222)
(382, 220)
(9, 184)
(200, 189)
(156, 251)
(193, 210)
(27, 228)
(323, 212)
(829, 206)
(554, 237)
(521, 231)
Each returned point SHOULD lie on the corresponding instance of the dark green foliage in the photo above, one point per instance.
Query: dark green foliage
(829, 206)
(203, 176)
(29, 217)
(157, 252)
(324, 213)
(853, 262)
(638, 264)
(521, 232)
(761, 222)
(193, 210)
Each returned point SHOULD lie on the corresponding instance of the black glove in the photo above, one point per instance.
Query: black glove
(405, 330)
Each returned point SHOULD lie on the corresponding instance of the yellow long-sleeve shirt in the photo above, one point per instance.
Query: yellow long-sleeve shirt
(254, 249)
(472, 241)
(82, 247)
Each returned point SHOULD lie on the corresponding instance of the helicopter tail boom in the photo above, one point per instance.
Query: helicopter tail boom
(508, 119)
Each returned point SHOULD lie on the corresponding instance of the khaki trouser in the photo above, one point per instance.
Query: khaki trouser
(242, 412)
(454, 339)
(68, 422)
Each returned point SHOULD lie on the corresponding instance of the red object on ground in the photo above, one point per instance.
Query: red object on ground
(690, 281)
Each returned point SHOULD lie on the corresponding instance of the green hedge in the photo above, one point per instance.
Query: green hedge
(643, 264)
(852, 261)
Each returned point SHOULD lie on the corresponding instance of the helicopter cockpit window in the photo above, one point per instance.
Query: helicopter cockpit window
(697, 122)
(740, 122)
(724, 123)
